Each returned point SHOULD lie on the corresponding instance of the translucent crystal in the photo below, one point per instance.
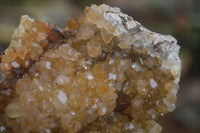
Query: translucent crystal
(104, 73)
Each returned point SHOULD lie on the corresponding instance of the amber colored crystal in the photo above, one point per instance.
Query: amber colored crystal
(103, 73)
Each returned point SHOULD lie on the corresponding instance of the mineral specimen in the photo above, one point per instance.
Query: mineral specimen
(103, 73)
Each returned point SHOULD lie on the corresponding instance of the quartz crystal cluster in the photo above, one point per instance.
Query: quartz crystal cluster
(103, 73)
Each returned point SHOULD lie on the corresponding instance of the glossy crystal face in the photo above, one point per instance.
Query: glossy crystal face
(103, 73)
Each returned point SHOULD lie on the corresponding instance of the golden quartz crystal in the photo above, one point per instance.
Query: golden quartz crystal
(103, 73)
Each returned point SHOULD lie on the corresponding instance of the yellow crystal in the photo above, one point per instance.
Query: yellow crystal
(103, 73)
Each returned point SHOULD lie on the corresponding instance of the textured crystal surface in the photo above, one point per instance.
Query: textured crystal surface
(104, 73)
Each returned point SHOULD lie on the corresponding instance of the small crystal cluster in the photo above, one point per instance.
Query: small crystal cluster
(104, 73)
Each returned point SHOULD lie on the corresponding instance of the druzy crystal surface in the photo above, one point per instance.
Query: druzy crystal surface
(103, 73)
